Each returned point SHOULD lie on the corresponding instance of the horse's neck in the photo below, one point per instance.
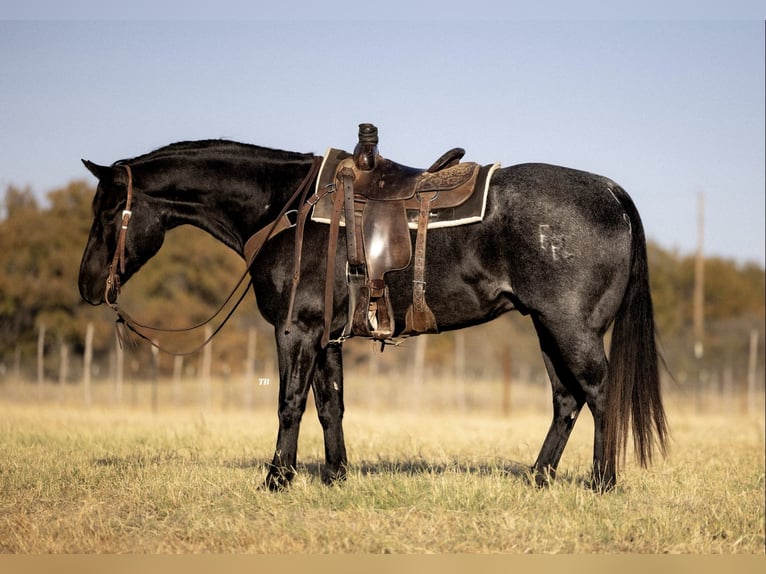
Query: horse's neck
(203, 209)
(230, 209)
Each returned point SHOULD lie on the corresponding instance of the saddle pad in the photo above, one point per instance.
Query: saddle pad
(471, 211)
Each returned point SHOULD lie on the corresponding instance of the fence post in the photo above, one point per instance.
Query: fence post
(40, 360)
(17, 363)
(460, 369)
(178, 368)
(752, 365)
(250, 368)
(63, 367)
(87, 363)
(373, 372)
(17, 370)
(119, 369)
(418, 369)
(155, 377)
(206, 367)
(506, 401)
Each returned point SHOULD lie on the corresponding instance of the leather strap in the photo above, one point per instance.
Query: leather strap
(112, 279)
(256, 241)
(420, 318)
(303, 212)
(332, 247)
(282, 222)
(346, 176)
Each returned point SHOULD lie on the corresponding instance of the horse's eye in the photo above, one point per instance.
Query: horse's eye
(108, 218)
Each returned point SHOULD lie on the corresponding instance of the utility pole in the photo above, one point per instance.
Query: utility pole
(699, 295)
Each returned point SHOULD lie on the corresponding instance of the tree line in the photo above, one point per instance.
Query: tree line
(40, 306)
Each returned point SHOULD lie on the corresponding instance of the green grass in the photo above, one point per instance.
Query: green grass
(114, 481)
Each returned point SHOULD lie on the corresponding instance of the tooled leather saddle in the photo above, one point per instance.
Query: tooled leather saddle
(378, 201)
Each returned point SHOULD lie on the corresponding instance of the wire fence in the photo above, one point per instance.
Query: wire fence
(414, 388)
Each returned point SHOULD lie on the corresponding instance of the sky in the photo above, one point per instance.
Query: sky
(670, 105)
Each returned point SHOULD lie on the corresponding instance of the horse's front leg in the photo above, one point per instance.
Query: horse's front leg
(297, 353)
(328, 396)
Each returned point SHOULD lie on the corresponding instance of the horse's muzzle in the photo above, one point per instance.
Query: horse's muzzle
(92, 293)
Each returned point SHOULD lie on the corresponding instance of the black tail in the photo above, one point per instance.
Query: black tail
(633, 392)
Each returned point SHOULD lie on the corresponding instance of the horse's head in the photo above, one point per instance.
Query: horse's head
(143, 236)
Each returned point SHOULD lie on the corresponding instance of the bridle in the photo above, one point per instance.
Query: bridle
(251, 249)
(112, 279)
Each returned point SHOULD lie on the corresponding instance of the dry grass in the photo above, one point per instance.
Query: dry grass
(116, 480)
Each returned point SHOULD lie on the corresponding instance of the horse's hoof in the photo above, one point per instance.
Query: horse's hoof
(601, 485)
(278, 480)
(331, 477)
(541, 478)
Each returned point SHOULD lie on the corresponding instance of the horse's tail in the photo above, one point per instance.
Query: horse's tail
(633, 392)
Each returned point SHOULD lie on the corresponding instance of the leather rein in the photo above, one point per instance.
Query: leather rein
(251, 249)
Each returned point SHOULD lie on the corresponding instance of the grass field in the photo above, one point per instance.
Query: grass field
(118, 480)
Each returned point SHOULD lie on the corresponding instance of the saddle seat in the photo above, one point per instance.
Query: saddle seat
(391, 181)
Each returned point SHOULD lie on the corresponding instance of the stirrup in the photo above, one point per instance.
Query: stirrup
(373, 316)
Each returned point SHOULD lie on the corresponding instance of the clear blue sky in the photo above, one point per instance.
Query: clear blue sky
(667, 108)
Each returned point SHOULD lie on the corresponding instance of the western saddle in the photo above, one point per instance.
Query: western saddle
(371, 196)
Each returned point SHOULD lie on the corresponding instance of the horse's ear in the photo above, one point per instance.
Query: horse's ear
(101, 172)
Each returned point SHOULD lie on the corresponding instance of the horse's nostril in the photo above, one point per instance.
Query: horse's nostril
(92, 296)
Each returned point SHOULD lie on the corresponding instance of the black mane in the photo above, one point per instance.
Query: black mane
(217, 146)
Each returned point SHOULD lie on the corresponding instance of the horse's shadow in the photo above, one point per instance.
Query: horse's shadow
(411, 467)
(379, 467)
(417, 467)
(414, 468)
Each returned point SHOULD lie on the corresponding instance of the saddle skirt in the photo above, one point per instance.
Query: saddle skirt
(447, 210)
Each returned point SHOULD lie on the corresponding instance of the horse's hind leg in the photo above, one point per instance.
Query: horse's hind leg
(567, 402)
(328, 397)
(577, 368)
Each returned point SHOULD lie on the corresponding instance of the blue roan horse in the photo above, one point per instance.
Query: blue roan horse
(565, 247)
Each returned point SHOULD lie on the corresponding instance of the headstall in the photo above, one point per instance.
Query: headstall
(112, 279)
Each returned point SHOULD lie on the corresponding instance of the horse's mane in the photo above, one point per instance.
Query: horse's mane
(216, 146)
